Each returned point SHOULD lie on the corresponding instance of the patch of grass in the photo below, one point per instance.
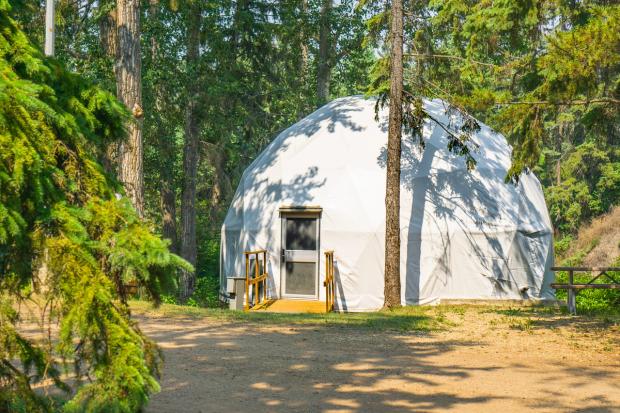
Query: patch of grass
(537, 317)
(405, 319)
(609, 346)
(440, 313)
(206, 294)
(526, 311)
(511, 312)
(522, 324)
(441, 317)
(458, 309)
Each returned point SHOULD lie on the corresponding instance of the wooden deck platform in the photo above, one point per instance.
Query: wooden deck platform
(291, 306)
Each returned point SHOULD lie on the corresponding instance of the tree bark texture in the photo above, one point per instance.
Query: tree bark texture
(129, 91)
(107, 34)
(324, 63)
(392, 194)
(190, 159)
(221, 187)
(167, 200)
(303, 43)
(109, 44)
(169, 210)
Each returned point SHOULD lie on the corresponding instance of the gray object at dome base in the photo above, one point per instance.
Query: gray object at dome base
(235, 288)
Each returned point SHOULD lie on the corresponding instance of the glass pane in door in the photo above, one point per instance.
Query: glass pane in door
(301, 234)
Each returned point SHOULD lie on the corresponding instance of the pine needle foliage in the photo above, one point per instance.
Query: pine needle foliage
(462, 127)
(545, 73)
(65, 231)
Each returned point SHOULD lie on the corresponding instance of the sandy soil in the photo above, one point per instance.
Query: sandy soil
(482, 362)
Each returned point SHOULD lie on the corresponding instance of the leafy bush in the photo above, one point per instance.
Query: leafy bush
(168, 299)
(562, 245)
(207, 292)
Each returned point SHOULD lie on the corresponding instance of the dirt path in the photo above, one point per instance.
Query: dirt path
(483, 362)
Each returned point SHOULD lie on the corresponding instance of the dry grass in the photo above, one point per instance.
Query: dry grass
(601, 240)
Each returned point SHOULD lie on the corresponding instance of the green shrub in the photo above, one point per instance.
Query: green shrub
(207, 292)
(168, 299)
(562, 245)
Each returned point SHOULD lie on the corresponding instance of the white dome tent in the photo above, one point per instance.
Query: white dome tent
(320, 185)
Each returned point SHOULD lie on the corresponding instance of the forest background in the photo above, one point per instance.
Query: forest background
(221, 78)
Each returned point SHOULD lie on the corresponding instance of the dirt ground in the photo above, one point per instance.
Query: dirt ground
(480, 361)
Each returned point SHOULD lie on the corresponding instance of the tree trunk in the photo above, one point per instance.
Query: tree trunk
(50, 29)
(221, 187)
(324, 64)
(167, 200)
(392, 192)
(168, 205)
(109, 42)
(190, 158)
(304, 37)
(108, 35)
(129, 91)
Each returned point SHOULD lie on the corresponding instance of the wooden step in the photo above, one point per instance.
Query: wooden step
(291, 306)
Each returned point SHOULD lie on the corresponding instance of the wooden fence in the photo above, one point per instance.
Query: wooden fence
(572, 288)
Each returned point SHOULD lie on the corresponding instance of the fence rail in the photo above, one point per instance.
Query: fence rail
(254, 279)
(329, 283)
(573, 288)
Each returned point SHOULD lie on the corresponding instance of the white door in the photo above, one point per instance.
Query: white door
(300, 253)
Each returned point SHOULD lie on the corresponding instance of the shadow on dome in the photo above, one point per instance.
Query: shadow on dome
(265, 192)
(451, 203)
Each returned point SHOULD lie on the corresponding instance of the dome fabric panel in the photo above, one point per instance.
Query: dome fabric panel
(464, 234)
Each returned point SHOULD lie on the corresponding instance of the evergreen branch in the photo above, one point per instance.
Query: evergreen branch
(575, 102)
(445, 93)
(447, 56)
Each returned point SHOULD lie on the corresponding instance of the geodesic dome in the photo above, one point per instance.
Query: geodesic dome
(464, 235)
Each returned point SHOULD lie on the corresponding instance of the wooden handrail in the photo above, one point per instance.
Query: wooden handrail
(259, 277)
(329, 283)
(255, 252)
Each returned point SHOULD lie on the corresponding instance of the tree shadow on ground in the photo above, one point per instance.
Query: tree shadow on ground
(235, 366)
(306, 369)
